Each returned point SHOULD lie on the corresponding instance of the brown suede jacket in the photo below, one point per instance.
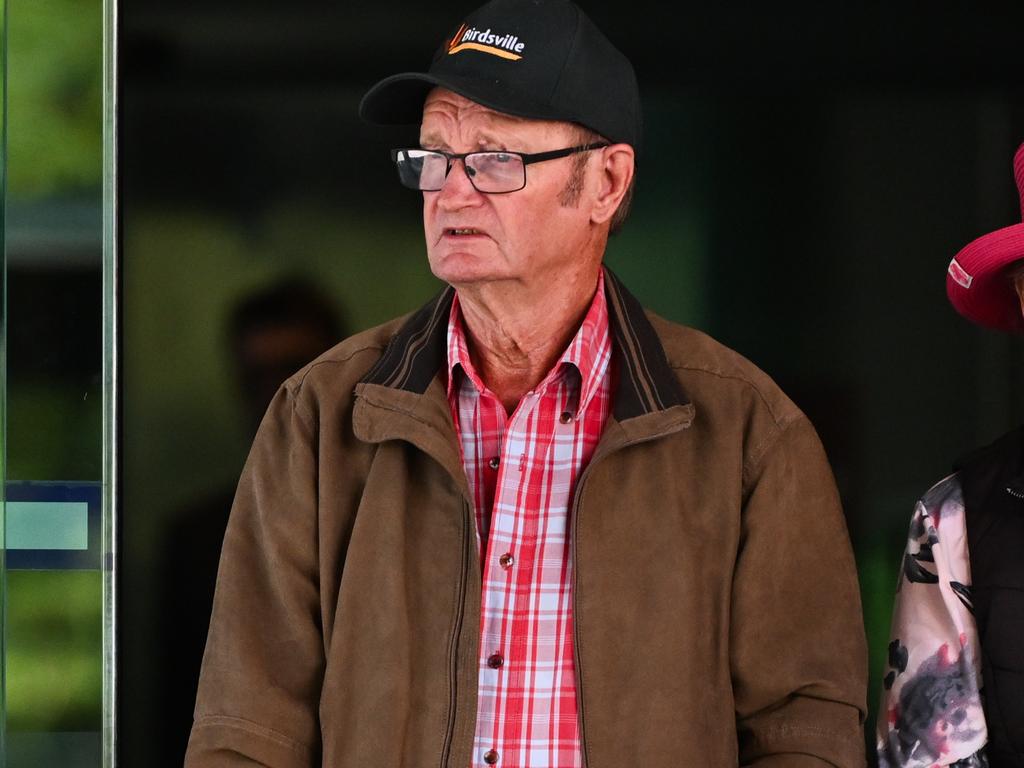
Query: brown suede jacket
(716, 608)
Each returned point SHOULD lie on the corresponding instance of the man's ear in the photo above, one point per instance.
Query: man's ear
(614, 175)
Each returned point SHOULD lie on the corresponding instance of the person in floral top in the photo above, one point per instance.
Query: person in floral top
(953, 693)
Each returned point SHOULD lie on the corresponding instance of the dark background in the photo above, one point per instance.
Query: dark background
(808, 174)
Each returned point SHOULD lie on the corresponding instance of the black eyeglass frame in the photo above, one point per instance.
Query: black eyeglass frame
(526, 158)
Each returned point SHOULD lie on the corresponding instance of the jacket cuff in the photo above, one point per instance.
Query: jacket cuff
(221, 741)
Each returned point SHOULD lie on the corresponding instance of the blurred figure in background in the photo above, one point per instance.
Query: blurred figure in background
(271, 333)
(954, 692)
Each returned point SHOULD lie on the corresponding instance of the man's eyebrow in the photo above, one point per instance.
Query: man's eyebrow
(432, 140)
(487, 139)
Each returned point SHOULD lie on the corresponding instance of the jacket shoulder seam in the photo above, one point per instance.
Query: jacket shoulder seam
(297, 389)
(252, 727)
(345, 359)
(780, 420)
(764, 447)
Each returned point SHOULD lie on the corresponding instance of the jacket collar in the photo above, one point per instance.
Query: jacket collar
(1001, 464)
(647, 385)
(403, 398)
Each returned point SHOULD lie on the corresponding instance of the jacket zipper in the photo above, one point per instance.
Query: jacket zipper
(453, 646)
(575, 592)
(1014, 493)
(575, 612)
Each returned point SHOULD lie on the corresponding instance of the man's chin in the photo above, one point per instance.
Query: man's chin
(465, 269)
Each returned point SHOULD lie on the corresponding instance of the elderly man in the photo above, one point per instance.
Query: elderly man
(531, 525)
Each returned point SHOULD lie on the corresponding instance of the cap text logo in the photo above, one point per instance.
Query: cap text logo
(485, 41)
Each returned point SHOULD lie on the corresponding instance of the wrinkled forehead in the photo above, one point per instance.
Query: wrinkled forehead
(450, 118)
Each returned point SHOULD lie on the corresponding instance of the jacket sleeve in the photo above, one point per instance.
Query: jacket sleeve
(798, 652)
(262, 671)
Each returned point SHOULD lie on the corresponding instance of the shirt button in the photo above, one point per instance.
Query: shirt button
(495, 661)
(506, 560)
(490, 757)
(494, 462)
(565, 418)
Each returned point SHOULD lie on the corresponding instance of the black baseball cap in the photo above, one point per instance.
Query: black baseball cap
(540, 59)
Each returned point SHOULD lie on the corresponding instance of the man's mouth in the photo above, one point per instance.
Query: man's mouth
(461, 231)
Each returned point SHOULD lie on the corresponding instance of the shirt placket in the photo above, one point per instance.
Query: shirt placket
(514, 650)
(503, 574)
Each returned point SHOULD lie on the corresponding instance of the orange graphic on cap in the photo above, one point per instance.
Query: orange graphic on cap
(456, 37)
(485, 41)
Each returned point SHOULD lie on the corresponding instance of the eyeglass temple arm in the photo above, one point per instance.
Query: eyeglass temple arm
(554, 154)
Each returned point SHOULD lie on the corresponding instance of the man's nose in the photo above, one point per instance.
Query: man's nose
(457, 188)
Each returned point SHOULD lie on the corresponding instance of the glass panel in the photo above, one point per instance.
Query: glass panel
(3, 382)
(58, 349)
(111, 342)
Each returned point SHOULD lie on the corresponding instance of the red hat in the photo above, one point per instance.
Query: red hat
(976, 281)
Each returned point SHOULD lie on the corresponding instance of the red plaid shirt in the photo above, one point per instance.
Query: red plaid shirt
(522, 470)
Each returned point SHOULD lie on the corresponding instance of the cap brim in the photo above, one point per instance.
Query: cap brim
(987, 298)
(398, 100)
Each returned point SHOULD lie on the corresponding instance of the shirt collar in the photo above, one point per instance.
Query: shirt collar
(589, 352)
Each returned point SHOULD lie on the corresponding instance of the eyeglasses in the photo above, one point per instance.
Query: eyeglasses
(490, 172)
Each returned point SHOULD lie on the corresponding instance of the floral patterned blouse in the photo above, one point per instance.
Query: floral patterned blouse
(931, 713)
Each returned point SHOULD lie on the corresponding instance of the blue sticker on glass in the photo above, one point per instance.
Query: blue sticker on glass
(52, 526)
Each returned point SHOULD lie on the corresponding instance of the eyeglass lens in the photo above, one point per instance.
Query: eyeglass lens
(488, 171)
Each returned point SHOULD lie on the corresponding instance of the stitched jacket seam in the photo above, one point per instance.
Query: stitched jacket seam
(765, 446)
(251, 727)
(296, 391)
(780, 421)
(399, 409)
(302, 413)
(316, 364)
(788, 729)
